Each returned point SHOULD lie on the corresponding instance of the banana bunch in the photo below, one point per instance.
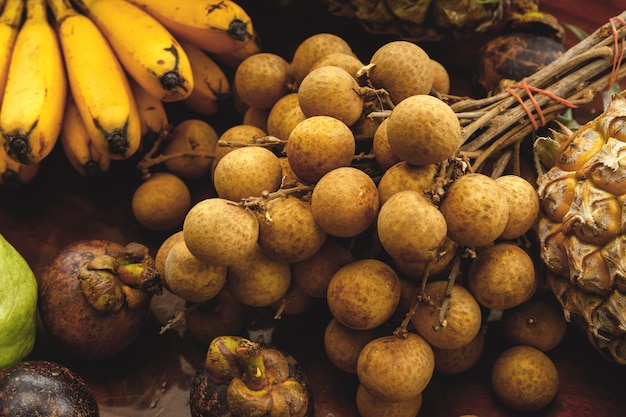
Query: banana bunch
(94, 74)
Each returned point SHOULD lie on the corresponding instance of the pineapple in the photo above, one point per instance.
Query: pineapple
(438, 20)
(582, 229)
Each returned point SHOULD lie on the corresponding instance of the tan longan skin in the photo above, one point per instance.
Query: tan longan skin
(461, 359)
(524, 378)
(394, 368)
(237, 134)
(463, 317)
(363, 294)
(294, 302)
(318, 145)
(191, 136)
(190, 279)
(256, 117)
(349, 62)
(343, 344)
(416, 269)
(258, 280)
(219, 232)
(369, 405)
(331, 91)
(262, 78)
(403, 176)
(345, 202)
(423, 130)
(313, 274)
(411, 228)
(538, 322)
(313, 48)
(502, 276)
(475, 209)
(284, 116)
(383, 154)
(247, 172)
(441, 77)
(402, 68)
(164, 249)
(523, 205)
(161, 202)
(288, 231)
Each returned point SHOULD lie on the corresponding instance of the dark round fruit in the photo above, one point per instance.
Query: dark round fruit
(44, 388)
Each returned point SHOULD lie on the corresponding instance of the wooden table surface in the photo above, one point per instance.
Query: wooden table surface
(152, 377)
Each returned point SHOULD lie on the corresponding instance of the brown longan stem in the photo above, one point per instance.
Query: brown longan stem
(264, 141)
(259, 202)
(145, 164)
(454, 273)
(402, 330)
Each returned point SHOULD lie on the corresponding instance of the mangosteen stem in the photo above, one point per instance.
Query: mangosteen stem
(254, 374)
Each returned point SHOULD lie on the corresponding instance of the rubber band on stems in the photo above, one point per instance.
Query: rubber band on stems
(529, 90)
(619, 46)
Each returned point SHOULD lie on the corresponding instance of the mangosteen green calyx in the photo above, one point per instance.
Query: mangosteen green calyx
(44, 388)
(242, 378)
(94, 296)
(18, 305)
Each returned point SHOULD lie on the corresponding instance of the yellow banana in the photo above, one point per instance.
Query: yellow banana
(98, 83)
(10, 21)
(34, 95)
(152, 115)
(211, 25)
(211, 83)
(81, 152)
(15, 174)
(146, 49)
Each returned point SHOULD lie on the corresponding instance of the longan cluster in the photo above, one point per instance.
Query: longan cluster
(343, 184)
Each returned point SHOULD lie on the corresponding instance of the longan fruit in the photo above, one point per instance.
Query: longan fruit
(349, 62)
(395, 368)
(284, 116)
(463, 358)
(523, 203)
(383, 154)
(191, 136)
(219, 232)
(343, 344)
(262, 78)
(235, 134)
(313, 48)
(257, 280)
(161, 202)
(476, 210)
(524, 378)
(288, 231)
(416, 269)
(220, 315)
(441, 77)
(463, 317)
(369, 405)
(502, 276)
(423, 130)
(256, 117)
(363, 294)
(345, 202)
(404, 176)
(538, 322)
(410, 227)
(295, 301)
(402, 68)
(331, 91)
(164, 249)
(313, 274)
(189, 278)
(247, 171)
(319, 144)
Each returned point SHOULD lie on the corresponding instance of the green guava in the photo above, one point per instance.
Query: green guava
(18, 306)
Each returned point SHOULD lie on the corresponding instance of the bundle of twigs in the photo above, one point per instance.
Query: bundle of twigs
(498, 124)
